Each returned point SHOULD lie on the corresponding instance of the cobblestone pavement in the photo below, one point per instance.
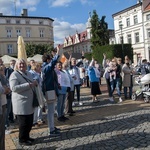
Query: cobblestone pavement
(95, 126)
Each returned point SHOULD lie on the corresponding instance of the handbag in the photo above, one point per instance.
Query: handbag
(40, 96)
(35, 97)
(50, 95)
(35, 100)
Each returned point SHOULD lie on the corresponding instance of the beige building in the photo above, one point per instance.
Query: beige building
(37, 30)
(132, 25)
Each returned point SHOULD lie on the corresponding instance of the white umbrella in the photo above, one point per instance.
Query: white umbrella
(6, 59)
(21, 49)
(37, 58)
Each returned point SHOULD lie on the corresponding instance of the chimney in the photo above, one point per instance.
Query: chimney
(24, 13)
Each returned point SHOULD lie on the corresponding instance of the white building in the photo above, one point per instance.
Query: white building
(132, 25)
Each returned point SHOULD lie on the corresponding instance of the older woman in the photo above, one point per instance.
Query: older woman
(22, 86)
(94, 76)
(36, 74)
(128, 71)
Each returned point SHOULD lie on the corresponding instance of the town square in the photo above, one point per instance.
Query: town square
(75, 75)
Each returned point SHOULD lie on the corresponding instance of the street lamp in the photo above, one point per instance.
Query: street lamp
(121, 25)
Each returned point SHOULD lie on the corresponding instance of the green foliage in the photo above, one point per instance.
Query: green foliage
(99, 31)
(33, 49)
(88, 56)
(112, 51)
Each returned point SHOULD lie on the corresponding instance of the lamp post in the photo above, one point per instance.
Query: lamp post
(121, 25)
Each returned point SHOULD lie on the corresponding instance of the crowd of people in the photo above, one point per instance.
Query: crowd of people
(62, 80)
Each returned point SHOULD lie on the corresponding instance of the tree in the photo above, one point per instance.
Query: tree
(32, 49)
(99, 31)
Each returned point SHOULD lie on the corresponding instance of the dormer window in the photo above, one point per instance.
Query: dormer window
(8, 21)
(17, 21)
(40, 22)
(27, 22)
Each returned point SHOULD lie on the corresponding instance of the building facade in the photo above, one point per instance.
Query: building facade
(80, 42)
(37, 30)
(132, 25)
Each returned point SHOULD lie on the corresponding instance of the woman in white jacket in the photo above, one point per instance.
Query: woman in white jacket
(22, 85)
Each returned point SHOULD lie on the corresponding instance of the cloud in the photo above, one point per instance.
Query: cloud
(63, 29)
(59, 3)
(32, 9)
(66, 3)
(30, 4)
(27, 3)
(87, 2)
(7, 7)
(84, 1)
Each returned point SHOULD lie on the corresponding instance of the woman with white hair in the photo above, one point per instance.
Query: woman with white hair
(22, 86)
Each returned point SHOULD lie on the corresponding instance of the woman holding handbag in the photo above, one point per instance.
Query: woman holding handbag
(36, 74)
(22, 85)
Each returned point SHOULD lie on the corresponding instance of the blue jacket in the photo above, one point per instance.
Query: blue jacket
(92, 75)
(50, 81)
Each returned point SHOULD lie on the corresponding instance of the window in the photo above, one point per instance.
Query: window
(17, 21)
(27, 32)
(40, 22)
(148, 33)
(135, 19)
(128, 22)
(50, 24)
(129, 38)
(120, 24)
(8, 21)
(27, 22)
(51, 33)
(18, 31)
(8, 33)
(9, 49)
(148, 17)
(137, 37)
(41, 33)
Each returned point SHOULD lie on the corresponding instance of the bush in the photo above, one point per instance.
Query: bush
(112, 51)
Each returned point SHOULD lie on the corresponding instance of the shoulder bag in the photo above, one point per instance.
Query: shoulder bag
(35, 97)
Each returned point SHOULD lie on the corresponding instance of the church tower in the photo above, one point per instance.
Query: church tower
(89, 26)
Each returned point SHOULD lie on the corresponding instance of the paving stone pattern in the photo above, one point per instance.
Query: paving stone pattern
(90, 129)
(129, 130)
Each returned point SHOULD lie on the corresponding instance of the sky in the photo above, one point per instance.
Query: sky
(69, 15)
